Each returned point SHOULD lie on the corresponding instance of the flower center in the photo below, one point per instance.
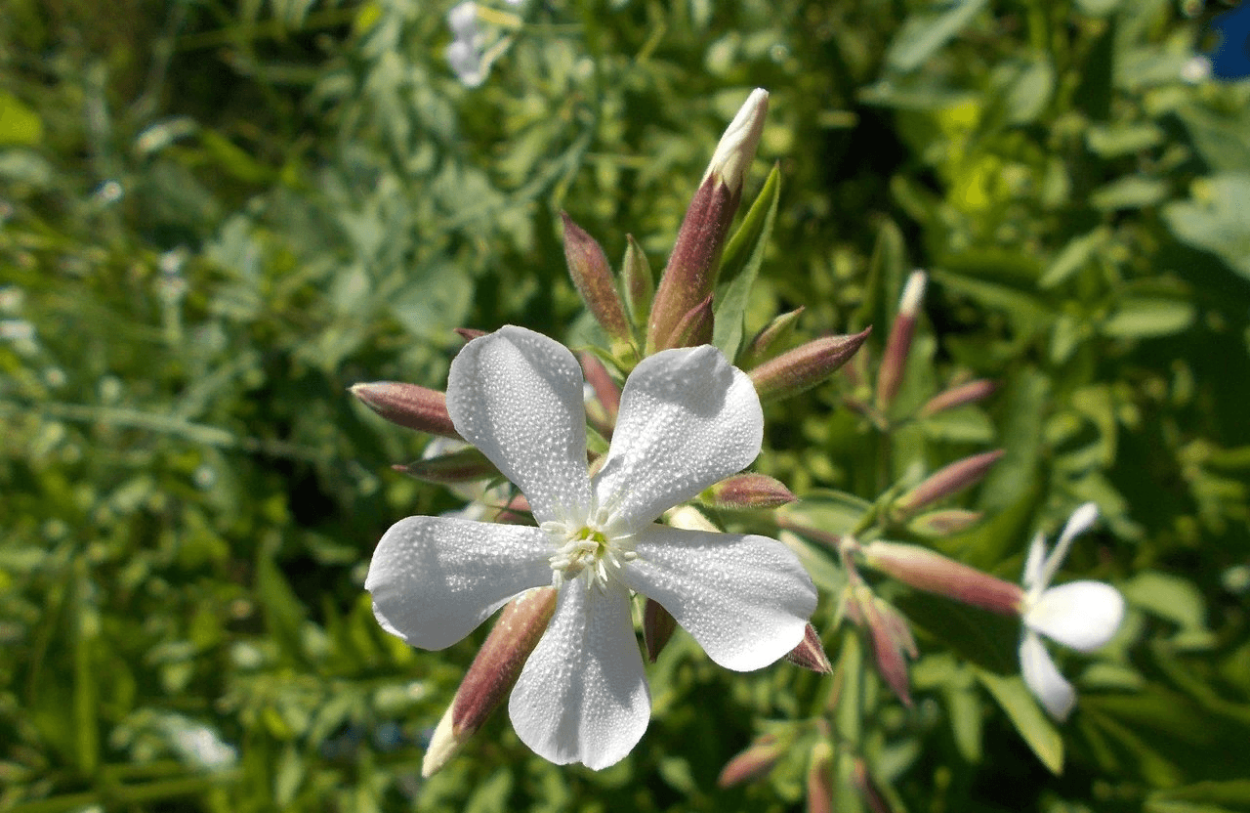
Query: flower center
(586, 549)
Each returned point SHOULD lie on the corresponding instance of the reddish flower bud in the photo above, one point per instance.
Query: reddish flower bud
(892, 641)
(592, 276)
(639, 283)
(492, 674)
(746, 491)
(932, 572)
(460, 466)
(694, 329)
(945, 482)
(820, 778)
(804, 367)
(768, 342)
(607, 391)
(968, 393)
(469, 333)
(810, 653)
(944, 523)
(867, 787)
(658, 626)
(898, 346)
(753, 763)
(691, 272)
(408, 405)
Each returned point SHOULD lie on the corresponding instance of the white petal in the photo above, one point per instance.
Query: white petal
(745, 599)
(1033, 565)
(688, 419)
(1043, 679)
(582, 695)
(434, 579)
(1083, 615)
(1082, 519)
(517, 396)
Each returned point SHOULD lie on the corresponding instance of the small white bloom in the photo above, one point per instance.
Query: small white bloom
(464, 54)
(1083, 615)
(737, 146)
(687, 420)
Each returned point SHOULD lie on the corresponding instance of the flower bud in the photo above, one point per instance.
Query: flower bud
(460, 466)
(932, 572)
(694, 329)
(810, 653)
(469, 333)
(639, 283)
(945, 522)
(607, 391)
(945, 482)
(658, 626)
(968, 393)
(737, 146)
(592, 276)
(691, 272)
(805, 366)
(746, 491)
(492, 674)
(892, 640)
(820, 778)
(768, 341)
(408, 405)
(867, 787)
(753, 763)
(898, 346)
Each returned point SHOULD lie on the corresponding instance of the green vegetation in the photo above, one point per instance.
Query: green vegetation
(217, 216)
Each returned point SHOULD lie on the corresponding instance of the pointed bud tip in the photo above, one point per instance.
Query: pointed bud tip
(913, 293)
(737, 146)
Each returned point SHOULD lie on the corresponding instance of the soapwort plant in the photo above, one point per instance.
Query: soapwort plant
(623, 471)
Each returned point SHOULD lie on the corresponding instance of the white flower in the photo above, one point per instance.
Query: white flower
(1083, 615)
(687, 420)
(464, 53)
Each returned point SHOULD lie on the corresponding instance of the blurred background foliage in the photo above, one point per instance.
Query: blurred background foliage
(216, 215)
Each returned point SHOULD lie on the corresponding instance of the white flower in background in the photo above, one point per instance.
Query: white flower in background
(1083, 615)
(464, 54)
(687, 420)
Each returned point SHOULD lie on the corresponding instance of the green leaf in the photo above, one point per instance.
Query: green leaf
(1129, 192)
(922, 34)
(19, 125)
(1140, 317)
(1169, 597)
(1034, 726)
(1214, 220)
(1233, 795)
(741, 264)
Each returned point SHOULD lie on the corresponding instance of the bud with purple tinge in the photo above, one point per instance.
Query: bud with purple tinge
(932, 572)
(898, 346)
(588, 266)
(810, 653)
(694, 329)
(820, 778)
(408, 405)
(943, 483)
(461, 466)
(867, 787)
(690, 275)
(607, 394)
(969, 393)
(753, 763)
(892, 641)
(492, 675)
(805, 366)
(944, 522)
(747, 491)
